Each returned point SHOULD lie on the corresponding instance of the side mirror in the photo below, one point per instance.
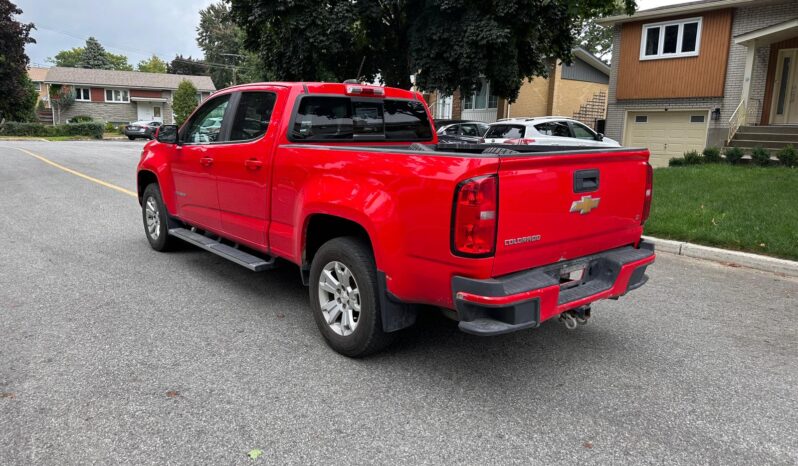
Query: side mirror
(167, 134)
(599, 137)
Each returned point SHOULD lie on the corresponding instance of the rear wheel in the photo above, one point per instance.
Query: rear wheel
(131, 138)
(344, 298)
(156, 220)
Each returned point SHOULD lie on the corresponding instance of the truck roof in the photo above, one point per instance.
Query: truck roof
(331, 88)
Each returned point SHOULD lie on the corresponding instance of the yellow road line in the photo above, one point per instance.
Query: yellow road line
(76, 173)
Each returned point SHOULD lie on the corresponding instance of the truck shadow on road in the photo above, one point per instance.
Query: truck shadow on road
(433, 346)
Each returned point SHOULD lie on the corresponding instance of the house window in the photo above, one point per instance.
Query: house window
(696, 118)
(82, 94)
(641, 119)
(117, 95)
(481, 100)
(38, 87)
(671, 39)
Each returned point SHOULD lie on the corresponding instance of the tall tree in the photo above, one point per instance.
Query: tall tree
(187, 65)
(184, 101)
(152, 65)
(118, 62)
(596, 40)
(95, 56)
(15, 86)
(446, 44)
(221, 40)
(73, 57)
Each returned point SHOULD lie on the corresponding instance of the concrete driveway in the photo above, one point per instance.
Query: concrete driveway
(113, 353)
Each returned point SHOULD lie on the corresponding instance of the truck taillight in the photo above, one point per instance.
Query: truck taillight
(475, 217)
(649, 194)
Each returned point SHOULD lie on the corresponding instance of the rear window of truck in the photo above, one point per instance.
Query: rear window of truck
(325, 118)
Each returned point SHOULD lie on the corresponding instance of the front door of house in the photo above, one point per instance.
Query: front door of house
(149, 111)
(784, 108)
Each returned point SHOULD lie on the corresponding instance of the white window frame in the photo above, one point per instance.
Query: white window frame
(113, 94)
(661, 45)
(79, 94)
(488, 95)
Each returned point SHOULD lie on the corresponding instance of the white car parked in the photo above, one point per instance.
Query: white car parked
(546, 131)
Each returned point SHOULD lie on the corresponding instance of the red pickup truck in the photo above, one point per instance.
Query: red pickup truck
(348, 182)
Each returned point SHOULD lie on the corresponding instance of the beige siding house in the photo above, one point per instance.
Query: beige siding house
(578, 90)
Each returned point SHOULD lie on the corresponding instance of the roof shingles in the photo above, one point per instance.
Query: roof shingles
(128, 79)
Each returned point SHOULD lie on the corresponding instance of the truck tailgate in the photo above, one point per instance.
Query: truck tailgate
(564, 206)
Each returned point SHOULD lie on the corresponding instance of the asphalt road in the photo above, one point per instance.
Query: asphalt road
(113, 353)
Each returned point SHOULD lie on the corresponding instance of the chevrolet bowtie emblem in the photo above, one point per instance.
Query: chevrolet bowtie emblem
(585, 205)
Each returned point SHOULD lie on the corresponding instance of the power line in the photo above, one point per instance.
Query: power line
(141, 52)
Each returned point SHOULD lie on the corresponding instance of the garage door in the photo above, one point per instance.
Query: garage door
(667, 134)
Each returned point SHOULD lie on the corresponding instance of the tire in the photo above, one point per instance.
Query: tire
(131, 138)
(367, 336)
(156, 227)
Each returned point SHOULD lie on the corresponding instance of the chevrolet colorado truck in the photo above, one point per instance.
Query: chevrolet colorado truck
(348, 182)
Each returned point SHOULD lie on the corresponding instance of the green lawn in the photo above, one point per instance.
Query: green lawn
(744, 208)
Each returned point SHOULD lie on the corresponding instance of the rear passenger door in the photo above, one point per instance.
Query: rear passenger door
(243, 167)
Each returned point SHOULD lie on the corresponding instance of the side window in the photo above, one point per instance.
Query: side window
(505, 132)
(582, 132)
(554, 128)
(252, 116)
(452, 130)
(205, 126)
(320, 118)
(470, 130)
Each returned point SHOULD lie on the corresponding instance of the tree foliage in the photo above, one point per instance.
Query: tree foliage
(17, 94)
(187, 65)
(94, 56)
(596, 40)
(73, 58)
(184, 101)
(221, 41)
(61, 98)
(445, 44)
(152, 65)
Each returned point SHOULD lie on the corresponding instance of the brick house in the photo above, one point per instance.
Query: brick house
(122, 96)
(578, 90)
(706, 73)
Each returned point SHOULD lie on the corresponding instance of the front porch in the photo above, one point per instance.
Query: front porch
(778, 104)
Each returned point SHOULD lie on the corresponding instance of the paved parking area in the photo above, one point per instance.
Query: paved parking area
(113, 353)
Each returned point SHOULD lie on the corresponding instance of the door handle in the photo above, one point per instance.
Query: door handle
(206, 161)
(586, 181)
(253, 164)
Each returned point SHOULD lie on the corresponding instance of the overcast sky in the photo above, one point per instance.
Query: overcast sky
(136, 28)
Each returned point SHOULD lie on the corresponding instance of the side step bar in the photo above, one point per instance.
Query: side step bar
(254, 263)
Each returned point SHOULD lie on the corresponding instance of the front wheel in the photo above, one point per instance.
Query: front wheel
(156, 220)
(344, 298)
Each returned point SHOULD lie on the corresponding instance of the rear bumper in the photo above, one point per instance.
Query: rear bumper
(525, 299)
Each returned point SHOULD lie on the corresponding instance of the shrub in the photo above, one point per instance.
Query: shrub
(693, 158)
(733, 155)
(11, 128)
(80, 119)
(712, 155)
(788, 156)
(676, 162)
(760, 156)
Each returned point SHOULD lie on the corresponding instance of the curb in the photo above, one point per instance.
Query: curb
(744, 259)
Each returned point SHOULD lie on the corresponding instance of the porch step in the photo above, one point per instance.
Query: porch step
(769, 129)
(250, 261)
(758, 136)
(738, 142)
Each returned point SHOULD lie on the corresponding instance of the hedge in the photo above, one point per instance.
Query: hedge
(90, 129)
